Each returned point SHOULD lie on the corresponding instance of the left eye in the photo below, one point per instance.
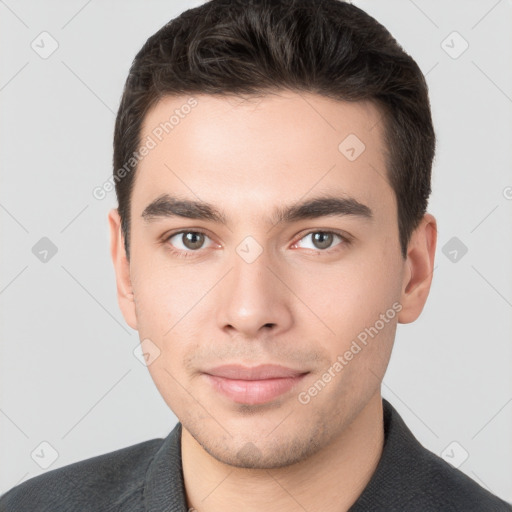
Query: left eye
(322, 239)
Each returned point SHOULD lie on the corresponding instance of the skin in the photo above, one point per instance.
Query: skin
(296, 305)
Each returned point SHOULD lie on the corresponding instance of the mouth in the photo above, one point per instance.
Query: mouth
(253, 385)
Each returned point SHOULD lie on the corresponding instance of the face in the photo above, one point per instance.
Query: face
(290, 257)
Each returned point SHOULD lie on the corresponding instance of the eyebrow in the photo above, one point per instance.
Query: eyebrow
(167, 206)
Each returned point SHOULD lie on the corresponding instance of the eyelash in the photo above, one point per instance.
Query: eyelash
(346, 241)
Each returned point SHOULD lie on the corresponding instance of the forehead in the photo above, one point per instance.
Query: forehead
(244, 152)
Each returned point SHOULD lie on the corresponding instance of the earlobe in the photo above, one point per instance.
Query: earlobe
(419, 269)
(125, 295)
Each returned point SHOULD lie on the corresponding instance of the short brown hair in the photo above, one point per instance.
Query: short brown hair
(249, 47)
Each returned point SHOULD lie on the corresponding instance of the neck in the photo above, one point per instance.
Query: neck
(330, 480)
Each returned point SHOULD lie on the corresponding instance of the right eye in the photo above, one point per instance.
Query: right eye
(186, 242)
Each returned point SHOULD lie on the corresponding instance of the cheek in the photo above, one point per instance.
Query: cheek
(358, 302)
(164, 295)
(349, 294)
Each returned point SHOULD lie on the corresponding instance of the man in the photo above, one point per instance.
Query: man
(272, 163)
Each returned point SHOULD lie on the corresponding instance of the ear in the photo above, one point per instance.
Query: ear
(125, 296)
(419, 269)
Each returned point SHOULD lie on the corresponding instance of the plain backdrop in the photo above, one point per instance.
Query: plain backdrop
(71, 386)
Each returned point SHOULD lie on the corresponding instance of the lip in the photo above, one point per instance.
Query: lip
(262, 371)
(253, 385)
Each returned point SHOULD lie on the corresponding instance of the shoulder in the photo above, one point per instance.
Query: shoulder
(437, 483)
(107, 482)
(410, 477)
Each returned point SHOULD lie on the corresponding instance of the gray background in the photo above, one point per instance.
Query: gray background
(68, 373)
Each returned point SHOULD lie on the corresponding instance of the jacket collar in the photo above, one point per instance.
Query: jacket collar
(164, 489)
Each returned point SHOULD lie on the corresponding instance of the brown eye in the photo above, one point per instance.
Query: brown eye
(187, 240)
(193, 240)
(322, 240)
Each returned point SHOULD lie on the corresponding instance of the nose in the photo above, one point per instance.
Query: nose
(253, 300)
